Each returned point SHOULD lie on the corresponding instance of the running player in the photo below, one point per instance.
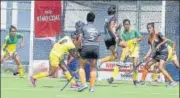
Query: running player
(111, 38)
(89, 52)
(172, 57)
(132, 38)
(157, 40)
(56, 58)
(9, 48)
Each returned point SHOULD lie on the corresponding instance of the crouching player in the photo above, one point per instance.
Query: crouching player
(9, 48)
(89, 51)
(62, 47)
(172, 57)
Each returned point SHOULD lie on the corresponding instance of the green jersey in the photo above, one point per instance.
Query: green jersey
(126, 36)
(11, 42)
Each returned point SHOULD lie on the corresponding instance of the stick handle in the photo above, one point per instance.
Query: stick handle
(67, 83)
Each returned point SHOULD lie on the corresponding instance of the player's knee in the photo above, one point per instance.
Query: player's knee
(123, 44)
(160, 68)
(52, 71)
(63, 67)
(16, 57)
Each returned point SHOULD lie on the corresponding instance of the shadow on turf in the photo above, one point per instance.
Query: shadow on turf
(114, 84)
(48, 86)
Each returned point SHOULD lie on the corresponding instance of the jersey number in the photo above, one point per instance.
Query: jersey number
(63, 41)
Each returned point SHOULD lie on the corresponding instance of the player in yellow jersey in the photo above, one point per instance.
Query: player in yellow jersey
(56, 59)
(9, 48)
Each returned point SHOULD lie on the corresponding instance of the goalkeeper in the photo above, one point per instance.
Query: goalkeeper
(9, 48)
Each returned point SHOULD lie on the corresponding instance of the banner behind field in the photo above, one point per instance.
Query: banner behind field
(104, 73)
(47, 18)
(107, 69)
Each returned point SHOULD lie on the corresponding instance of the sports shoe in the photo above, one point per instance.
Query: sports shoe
(82, 87)
(74, 85)
(110, 80)
(141, 83)
(91, 89)
(171, 84)
(136, 83)
(33, 81)
(15, 73)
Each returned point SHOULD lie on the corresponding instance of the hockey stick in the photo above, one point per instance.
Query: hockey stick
(68, 81)
(140, 63)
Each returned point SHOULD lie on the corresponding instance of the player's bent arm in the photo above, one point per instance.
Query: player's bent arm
(73, 52)
(22, 40)
(22, 37)
(63, 65)
(164, 40)
(112, 28)
(148, 53)
(119, 27)
(4, 47)
(123, 44)
(70, 58)
(139, 37)
(80, 39)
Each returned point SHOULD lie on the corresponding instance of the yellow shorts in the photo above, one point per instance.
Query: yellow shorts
(54, 60)
(171, 57)
(133, 48)
(4, 53)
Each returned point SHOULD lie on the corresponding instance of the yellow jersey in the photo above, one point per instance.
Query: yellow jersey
(62, 46)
